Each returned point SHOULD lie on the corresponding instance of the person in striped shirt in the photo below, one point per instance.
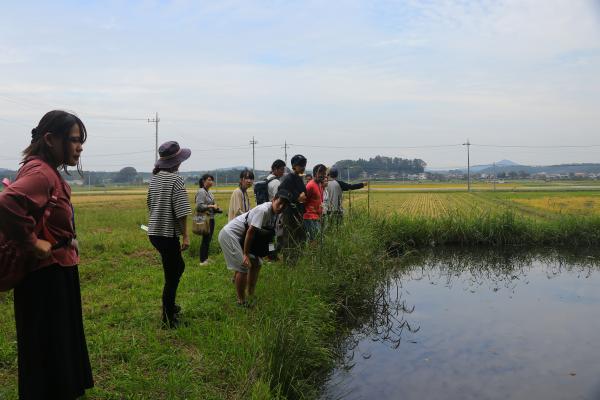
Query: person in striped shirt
(168, 208)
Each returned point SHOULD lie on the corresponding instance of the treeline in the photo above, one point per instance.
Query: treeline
(380, 167)
(130, 176)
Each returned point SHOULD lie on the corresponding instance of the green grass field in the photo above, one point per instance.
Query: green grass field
(282, 347)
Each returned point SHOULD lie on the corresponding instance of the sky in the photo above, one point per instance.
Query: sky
(334, 79)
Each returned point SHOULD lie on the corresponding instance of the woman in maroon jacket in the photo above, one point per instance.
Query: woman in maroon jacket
(53, 356)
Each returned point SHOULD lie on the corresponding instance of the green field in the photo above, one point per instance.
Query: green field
(283, 346)
(542, 204)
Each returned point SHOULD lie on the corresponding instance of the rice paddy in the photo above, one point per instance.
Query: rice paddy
(546, 205)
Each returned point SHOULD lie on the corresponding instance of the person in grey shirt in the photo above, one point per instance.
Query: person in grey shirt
(205, 202)
(335, 196)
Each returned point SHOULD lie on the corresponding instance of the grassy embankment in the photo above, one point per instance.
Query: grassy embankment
(281, 348)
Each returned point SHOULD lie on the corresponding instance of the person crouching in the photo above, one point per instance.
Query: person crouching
(239, 241)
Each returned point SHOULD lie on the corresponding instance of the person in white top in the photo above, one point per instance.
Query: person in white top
(243, 229)
(274, 178)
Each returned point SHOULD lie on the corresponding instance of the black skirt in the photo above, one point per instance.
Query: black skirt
(53, 355)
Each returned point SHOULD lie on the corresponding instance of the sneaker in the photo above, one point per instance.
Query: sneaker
(174, 323)
(251, 301)
(205, 262)
(170, 322)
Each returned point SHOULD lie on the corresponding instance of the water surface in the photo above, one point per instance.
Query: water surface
(486, 325)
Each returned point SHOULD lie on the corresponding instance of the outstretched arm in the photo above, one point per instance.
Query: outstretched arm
(347, 186)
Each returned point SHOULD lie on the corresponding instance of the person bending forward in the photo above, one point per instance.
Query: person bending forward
(245, 265)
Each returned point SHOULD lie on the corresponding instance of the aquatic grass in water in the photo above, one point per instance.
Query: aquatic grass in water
(489, 229)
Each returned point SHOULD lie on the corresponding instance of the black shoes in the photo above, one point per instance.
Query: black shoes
(171, 321)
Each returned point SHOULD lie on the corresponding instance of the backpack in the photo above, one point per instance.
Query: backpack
(15, 262)
(261, 190)
(259, 246)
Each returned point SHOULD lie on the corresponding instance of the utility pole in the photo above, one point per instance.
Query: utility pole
(285, 147)
(495, 177)
(155, 121)
(253, 142)
(368, 197)
(349, 193)
(468, 144)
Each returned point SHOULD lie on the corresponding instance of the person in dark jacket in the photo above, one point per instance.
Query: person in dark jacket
(294, 234)
(52, 351)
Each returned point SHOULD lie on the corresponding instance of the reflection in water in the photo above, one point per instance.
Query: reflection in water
(485, 324)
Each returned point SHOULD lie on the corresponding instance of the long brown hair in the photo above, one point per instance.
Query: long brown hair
(59, 123)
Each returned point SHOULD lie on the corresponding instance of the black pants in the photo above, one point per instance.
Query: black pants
(53, 355)
(173, 267)
(206, 239)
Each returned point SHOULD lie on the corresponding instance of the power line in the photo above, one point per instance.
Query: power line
(113, 118)
(32, 105)
(118, 154)
(14, 122)
(564, 146)
(222, 148)
(373, 147)
(21, 102)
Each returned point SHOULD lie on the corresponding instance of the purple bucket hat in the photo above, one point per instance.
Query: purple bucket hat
(171, 155)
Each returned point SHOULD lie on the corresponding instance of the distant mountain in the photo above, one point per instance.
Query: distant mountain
(480, 168)
(588, 168)
(499, 164)
(238, 168)
(508, 166)
(505, 163)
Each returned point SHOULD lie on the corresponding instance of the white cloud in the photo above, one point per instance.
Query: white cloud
(426, 73)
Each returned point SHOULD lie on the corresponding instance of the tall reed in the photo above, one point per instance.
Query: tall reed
(344, 269)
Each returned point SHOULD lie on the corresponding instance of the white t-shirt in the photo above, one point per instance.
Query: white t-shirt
(260, 216)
